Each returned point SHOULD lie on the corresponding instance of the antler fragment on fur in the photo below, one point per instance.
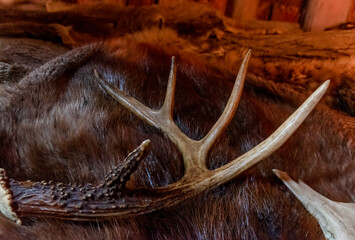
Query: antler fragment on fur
(336, 219)
(197, 177)
(20, 199)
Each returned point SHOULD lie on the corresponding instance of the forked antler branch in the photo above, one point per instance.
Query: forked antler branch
(197, 177)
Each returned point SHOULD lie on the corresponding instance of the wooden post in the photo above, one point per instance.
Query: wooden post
(140, 2)
(170, 3)
(286, 11)
(242, 10)
(219, 5)
(321, 14)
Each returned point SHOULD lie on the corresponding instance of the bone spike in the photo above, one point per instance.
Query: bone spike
(229, 111)
(336, 219)
(168, 107)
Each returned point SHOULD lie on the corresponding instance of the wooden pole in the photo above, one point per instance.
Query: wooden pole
(321, 14)
(242, 10)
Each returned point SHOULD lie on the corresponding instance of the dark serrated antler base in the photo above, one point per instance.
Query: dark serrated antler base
(63, 200)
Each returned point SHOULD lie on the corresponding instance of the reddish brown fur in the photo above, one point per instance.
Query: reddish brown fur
(58, 124)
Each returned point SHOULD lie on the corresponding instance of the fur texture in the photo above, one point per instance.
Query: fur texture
(57, 124)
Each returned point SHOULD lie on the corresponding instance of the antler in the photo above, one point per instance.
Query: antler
(197, 177)
(337, 219)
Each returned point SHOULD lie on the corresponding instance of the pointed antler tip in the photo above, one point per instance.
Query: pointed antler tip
(321, 90)
(145, 143)
(172, 64)
(283, 176)
(324, 86)
(326, 83)
(245, 61)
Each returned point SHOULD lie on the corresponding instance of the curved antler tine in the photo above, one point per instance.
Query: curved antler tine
(228, 112)
(161, 119)
(168, 106)
(273, 142)
(336, 219)
(119, 175)
(129, 102)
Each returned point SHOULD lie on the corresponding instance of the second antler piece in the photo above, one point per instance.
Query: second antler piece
(337, 219)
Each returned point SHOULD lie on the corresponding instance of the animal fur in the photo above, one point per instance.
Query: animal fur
(57, 124)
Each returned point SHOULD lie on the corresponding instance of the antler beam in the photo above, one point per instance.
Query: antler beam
(30, 199)
(60, 200)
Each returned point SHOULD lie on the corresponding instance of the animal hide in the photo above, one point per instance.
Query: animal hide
(58, 124)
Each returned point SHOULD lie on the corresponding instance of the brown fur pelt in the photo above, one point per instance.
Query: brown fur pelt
(282, 53)
(57, 124)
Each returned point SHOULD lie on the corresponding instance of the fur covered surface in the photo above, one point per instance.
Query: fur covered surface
(58, 124)
(282, 53)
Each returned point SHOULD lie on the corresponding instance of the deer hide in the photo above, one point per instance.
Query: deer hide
(56, 123)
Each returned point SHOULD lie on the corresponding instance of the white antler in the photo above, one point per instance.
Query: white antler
(336, 219)
(195, 152)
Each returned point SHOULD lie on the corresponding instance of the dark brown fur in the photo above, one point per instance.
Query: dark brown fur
(58, 124)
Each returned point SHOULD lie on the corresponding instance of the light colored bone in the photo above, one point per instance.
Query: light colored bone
(336, 219)
(195, 152)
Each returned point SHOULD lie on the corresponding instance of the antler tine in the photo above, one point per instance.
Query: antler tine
(228, 113)
(337, 219)
(273, 142)
(138, 108)
(129, 102)
(160, 119)
(168, 106)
